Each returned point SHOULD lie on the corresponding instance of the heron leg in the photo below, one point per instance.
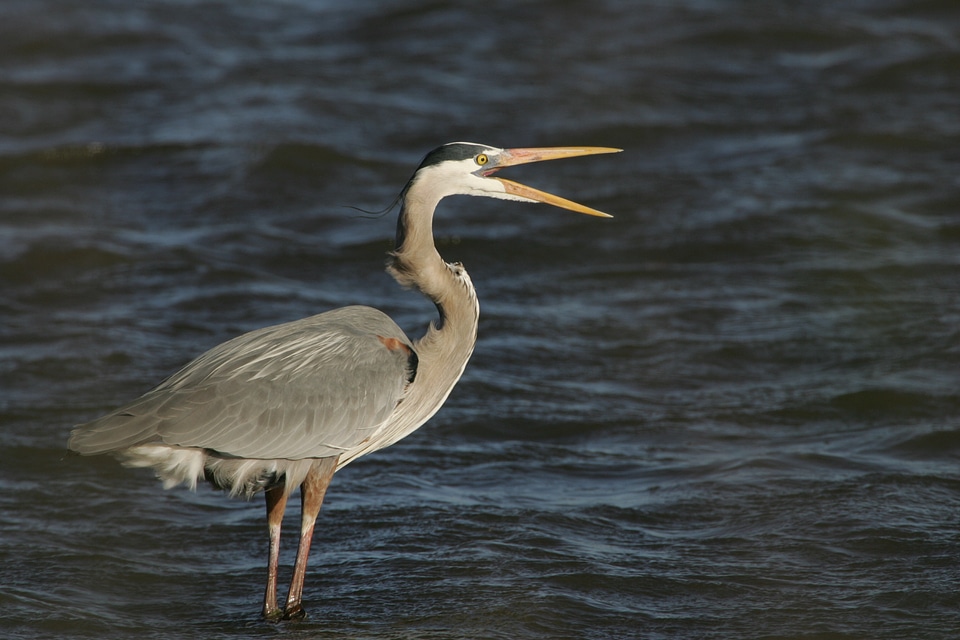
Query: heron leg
(276, 505)
(312, 491)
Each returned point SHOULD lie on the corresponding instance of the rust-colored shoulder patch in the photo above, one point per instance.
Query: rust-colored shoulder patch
(413, 361)
(395, 345)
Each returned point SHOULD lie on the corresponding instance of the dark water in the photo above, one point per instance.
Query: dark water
(730, 412)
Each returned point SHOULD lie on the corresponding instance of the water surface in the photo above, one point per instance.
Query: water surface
(730, 412)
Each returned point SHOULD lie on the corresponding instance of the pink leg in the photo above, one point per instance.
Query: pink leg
(276, 504)
(312, 491)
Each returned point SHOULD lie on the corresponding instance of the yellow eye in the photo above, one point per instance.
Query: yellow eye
(481, 159)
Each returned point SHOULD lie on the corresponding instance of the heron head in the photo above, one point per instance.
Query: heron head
(467, 168)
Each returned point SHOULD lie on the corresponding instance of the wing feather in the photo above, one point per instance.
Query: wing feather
(305, 389)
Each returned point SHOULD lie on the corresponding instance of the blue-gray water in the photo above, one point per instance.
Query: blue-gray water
(730, 412)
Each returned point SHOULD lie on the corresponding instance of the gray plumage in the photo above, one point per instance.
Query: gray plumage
(259, 410)
(268, 393)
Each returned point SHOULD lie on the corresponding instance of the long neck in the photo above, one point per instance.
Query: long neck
(445, 349)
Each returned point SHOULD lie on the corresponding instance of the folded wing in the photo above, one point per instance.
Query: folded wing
(307, 389)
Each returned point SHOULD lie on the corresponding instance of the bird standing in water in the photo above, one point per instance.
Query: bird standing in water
(287, 406)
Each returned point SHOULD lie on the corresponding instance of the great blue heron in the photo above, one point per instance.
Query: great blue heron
(286, 406)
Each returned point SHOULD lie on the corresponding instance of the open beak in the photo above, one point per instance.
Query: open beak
(511, 157)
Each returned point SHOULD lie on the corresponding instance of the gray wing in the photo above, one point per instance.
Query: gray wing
(306, 389)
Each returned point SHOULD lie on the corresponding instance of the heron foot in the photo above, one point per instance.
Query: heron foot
(295, 613)
(273, 615)
(292, 614)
